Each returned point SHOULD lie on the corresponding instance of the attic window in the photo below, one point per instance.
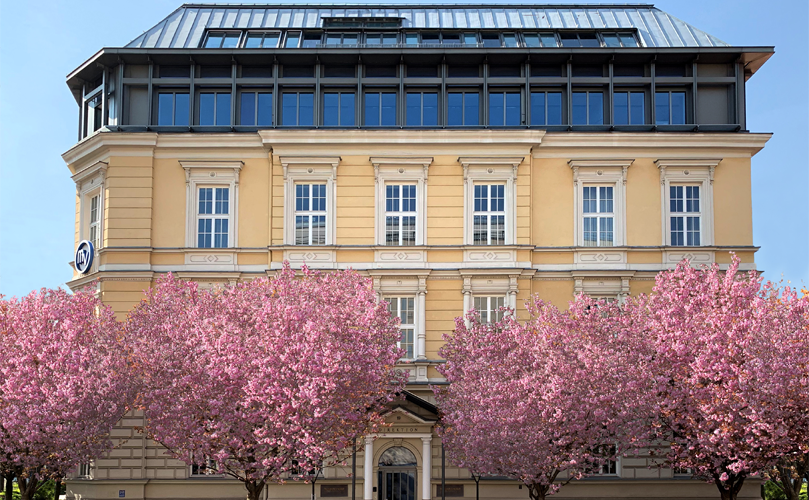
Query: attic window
(619, 40)
(362, 22)
(222, 40)
(582, 39)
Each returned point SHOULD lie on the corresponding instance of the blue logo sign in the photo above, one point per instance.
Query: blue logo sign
(121, 493)
(84, 256)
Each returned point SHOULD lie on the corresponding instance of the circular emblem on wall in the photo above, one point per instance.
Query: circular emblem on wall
(84, 256)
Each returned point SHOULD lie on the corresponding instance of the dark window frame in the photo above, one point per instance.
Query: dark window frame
(421, 92)
(506, 91)
(251, 35)
(209, 36)
(298, 92)
(545, 91)
(256, 91)
(340, 92)
(464, 91)
(216, 91)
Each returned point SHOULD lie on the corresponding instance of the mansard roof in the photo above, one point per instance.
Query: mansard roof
(185, 28)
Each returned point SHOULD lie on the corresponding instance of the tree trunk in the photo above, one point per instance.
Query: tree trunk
(57, 488)
(730, 490)
(27, 487)
(537, 491)
(254, 489)
(9, 485)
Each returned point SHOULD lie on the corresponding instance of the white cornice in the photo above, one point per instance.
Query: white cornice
(93, 147)
(687, 162)
(586, 143)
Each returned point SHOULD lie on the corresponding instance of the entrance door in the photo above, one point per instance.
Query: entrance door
(397, 484)
(397, 474)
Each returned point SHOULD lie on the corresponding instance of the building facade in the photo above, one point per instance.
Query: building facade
(468, 156)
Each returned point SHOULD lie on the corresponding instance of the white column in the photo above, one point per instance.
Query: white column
(467, 305)
(421, 311)
(368, 471)
(426, 467)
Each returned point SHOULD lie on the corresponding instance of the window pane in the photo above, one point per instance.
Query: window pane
(589, 40)
(220, 236)
(408, 230)
(318, 230)
(676, 198)
(253, 40)
(606, 232)
(470, 38)
(206, 200)
(264, 109)
(692, 199)
(165, 111)
(611, 40)
(181, 107)
(389, 39)
(271, 40)
(292, 40)
(678, 108)
(412, 38)
(579, 108)
(223, 109)
(531, 40)
(222, 200)
(628, 40)
(347, 110)
(302, 230)
(498, 230)
(231, 40)
(596, 111)
(471, 114)
(413, 103)
(692, 233)
(589, 200)
(677, 236)
(548, 40)
(554, 108)
(510, 39)
(621, 108)
(206, 108)
(455, 108)
(605, 195)
(661, 108)
(636, 111)
(430, 110)
(480, 230)
(289, 112)
(204, 227)
(538, 108)
(247, 110)
(214, 40)
(496, 108)
(388, 109)
(491, 39)
(307, 109)
(569, 40)
(590, 231)
(513, 108)
(372, 109)
(331, 109)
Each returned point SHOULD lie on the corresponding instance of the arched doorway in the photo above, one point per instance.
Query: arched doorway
(397, 474)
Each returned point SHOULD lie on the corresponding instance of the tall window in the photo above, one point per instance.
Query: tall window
(463, 108)
(256, 109)
(214, 108)
(400, 214)
(588, 108)
(402, 308)
(489, 215)
(338, 109)
(83, 470)
(488, 308)
(629, 108)
(94, 232)
(380, 109)
(422, 109)
(684, 210)
(504, 108)
(310, 214)
(598, 216)
(669, 108)
(213, 217)
(546, 108)
(298, 108)
(172, 108)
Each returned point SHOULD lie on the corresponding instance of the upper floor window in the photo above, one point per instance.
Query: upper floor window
(256, 40)
(598, 216)
(628, 108)
(292, 40)
(583, 39)
(489, 216)
(400, 214)
(685, 214)
(222, 39)
(463, 108)
(255, 109)
(298, 108)
(310, 214)
(540, 40)
(546, 108)
(94, 229)
(404, 309)
(489, 308)
(588, 108)
(380, 109)
(381, 38)
(172, 108)
(669, 108)
(619, 40)
(214, 108)
(338, 109)
(504, 108)
(213, 217)
(422, 109)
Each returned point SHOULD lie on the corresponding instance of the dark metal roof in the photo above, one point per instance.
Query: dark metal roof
(185, 27)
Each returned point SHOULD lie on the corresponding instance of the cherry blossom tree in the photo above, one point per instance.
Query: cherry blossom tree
(252, 376)
(731, 372)
(64, 382)
(548, 401)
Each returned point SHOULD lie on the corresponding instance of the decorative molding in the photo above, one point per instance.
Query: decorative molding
(303, 161)
(575, 165)
(211, 173)
(97, 168)
(310, 169)
(489, 163)
(214, 166)
(709, 163)
(401, 162)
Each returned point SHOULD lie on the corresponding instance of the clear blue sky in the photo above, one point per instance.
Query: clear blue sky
(41, 42)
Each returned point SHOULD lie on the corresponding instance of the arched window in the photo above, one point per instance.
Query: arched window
(397, 456)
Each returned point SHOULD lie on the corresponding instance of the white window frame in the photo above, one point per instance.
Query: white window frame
(602, 285)
(211, 174)
(488, 214)
(208, 467)
(395, 306)
(490, 170)
(84, 470)
(688, 172)
(90, 182)
(597, 173)
(685, 215)
(405, 285)
(309, 170)
(213, 216)
(489, 283)
(310, 212)
(491, 308)
(598, 215)
(401, 170)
